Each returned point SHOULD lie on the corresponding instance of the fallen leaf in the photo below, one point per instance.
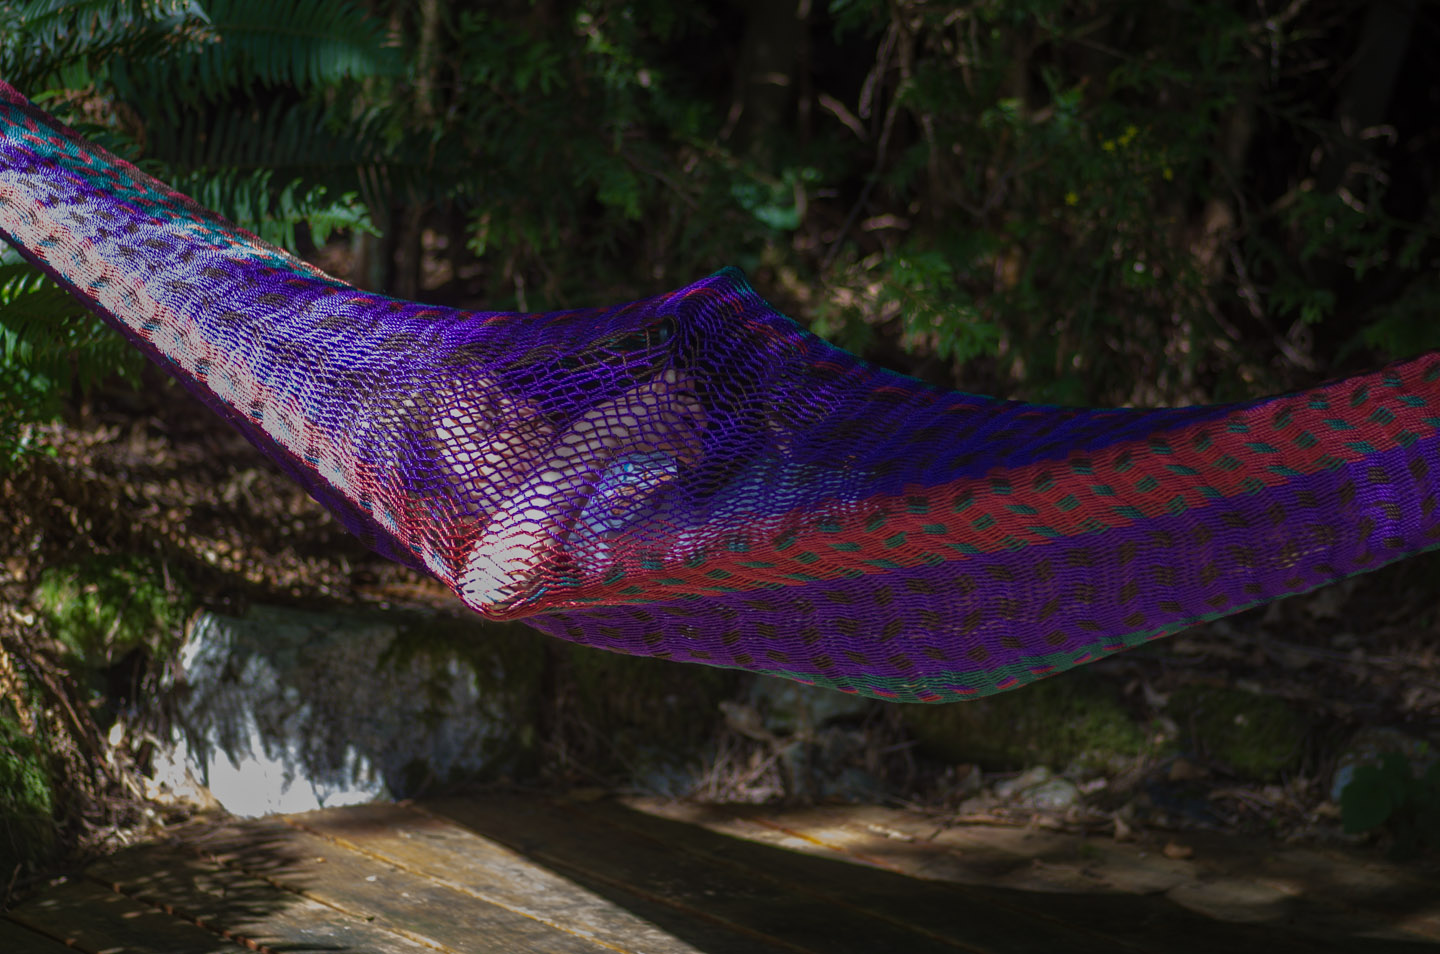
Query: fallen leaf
(1177, 852)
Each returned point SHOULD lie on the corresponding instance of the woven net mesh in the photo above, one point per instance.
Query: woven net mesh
(695, 476)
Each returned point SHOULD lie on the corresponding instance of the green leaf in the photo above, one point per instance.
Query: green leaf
(252, 201)
(275, 43)
(42, 38)
(1368, 801)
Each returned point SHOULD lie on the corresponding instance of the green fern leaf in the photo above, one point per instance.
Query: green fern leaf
(41, 39)
(300, 46)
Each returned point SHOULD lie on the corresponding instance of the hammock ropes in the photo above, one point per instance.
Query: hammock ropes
(695, 476)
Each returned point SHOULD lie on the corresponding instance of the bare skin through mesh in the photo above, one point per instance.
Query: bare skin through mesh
(548, 490)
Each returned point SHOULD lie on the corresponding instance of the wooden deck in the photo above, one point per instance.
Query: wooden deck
(517, 873)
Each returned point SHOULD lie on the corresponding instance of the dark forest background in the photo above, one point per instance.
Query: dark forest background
(1072, 202)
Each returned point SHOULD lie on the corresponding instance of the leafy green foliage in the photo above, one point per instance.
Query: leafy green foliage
(596, 97)
(228, 103)
(41, 40)
(110, 605)
(27, 798)
(280, 43)
(284, 135)
(1258, 736)
(776, 204)
(1073, 723)
(1140, 200)
(1043, 191)
(915, 288)
(47, 344)
(252, 201)
(1394, 797)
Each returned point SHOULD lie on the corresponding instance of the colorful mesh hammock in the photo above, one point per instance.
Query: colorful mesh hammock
(696, 477)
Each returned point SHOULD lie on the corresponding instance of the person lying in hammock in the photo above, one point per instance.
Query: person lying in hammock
(550, 496)
(748, 495)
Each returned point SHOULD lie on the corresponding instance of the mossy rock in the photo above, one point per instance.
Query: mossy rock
(27, 801)
(640, 702)
(288, 709)
(662, 703)
(507, 662)
(113, 604)
(1256, 736)
(1073, 720)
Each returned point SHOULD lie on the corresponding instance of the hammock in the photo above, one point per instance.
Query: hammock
(696, 477)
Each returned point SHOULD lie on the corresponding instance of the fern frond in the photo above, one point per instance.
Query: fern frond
(296, 140)
(251, 200)
(48, 344)
(288, 138)
(273, 43)
(42, 38)
(303, 45)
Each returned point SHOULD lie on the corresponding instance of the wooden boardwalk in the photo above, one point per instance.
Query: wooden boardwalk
(519, 873)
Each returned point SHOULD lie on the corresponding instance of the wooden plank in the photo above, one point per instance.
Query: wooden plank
(1019, 858)
(241, 906)
(823, 831)
(868, 882)
(422, 842)
(993, 918)
(1024, 859)
(1062, 895)
(15, 939)
(858, 911)
(88, 918)
(406, 902)
(1325, 894)
(526, 874)
(1070, 866)
(1336, 892)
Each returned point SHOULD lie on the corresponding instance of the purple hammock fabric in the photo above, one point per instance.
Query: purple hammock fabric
(694, 476)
